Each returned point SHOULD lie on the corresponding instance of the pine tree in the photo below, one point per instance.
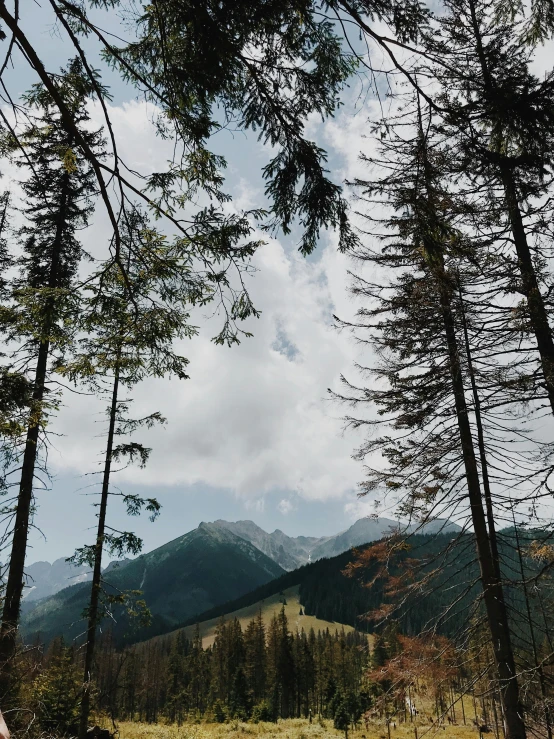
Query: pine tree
(57, 205)
(341, 714)
(130, 320)
(500, 122)
(420, 345)
(176, 677)
(255, 658)
(57, 691)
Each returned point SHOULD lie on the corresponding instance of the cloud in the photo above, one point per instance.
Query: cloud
(285, 506)
(254, 418)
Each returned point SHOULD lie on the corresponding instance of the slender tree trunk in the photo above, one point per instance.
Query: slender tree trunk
(492, 588)
(16, 573)
(493, 594)
(537, 311)
(495, 714)
(493, 539)
(538, 666)
(97, 571)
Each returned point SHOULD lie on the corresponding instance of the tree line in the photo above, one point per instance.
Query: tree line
(264, 673)
(259, 673)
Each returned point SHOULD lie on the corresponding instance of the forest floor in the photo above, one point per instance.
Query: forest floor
(292, 729)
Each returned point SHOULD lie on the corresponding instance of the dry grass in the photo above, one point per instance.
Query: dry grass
(292, 729)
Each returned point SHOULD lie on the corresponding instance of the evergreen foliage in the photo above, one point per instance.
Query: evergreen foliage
(58, 193)
(239, 676)
(56, 691)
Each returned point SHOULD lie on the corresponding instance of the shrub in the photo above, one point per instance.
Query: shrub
(262, 712)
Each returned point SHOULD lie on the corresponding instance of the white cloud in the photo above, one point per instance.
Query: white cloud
(253, 418)
(367, 508)
(285, 506)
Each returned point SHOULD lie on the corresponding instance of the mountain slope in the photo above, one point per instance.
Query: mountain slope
(361, 532)
(43, 579)
(270, 606)
(292, 552)
(328, 595)
(207, 566)
(289, 552)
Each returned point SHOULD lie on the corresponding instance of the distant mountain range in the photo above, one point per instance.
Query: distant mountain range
(211, 565)
(292, 552)
(208, 566)
(43, 579)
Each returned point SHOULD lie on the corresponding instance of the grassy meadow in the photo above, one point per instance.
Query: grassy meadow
(269, 607)
(292, 729)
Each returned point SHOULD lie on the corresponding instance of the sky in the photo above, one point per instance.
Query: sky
(253, 433)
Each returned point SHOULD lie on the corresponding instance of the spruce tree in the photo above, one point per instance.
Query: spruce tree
(58, 203)
(130, 321)
(57, 691)
(255, 658)
(499, 118)
(414, 323)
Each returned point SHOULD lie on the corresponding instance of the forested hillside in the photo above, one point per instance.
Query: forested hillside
(184, 577)
(325, 591)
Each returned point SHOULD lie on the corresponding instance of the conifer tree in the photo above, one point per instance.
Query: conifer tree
(421, 347)
(14, 385)
(58, 203)
(255, 658)
(57, 691)
(499, 118)
(130, 322)
(192, 59)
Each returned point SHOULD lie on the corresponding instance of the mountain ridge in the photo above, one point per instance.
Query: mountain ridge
(293, 552)
(44, 579)
(188, 575)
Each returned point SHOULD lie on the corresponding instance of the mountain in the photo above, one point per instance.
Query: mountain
(368, 529)
(361, 532)
(327, 595)
(43, 579)
(292, 552)
(289, 552)
(208, 566)
(213, 564)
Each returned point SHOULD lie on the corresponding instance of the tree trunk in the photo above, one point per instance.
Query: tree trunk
(97, 571)
(16, 573)
(493, 594)
(537, 311)
(538, 666)
(493, 539)
(492, 588)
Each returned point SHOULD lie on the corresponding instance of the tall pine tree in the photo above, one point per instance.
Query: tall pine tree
(58, 192)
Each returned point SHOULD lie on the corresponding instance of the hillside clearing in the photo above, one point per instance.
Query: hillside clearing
(269, 606)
